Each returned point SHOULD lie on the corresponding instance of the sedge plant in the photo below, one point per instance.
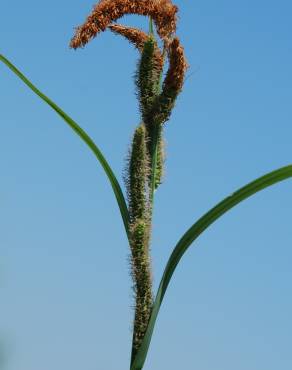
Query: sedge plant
(156, 92)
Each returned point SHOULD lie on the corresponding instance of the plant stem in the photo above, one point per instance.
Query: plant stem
(151, 28)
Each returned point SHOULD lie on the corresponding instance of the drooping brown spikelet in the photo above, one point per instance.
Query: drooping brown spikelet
(173, 82)
(163, 12)
(134, 35)
(177, 67)
(165, 20)
(138, 38)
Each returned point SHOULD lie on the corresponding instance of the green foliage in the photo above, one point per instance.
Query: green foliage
(191, 235)
(85, 138)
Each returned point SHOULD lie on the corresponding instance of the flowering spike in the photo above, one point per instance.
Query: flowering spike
(138, 172)
(137, 186)
(147, 79)
(177, 67)
(163, 13)
(173, 82)
(138, 38)
(142, 276)
(134, 35)
(146, 160)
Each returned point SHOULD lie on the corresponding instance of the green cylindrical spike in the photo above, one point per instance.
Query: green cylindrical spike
(148, 79)
(139, 208)
(141, 272)
(138, 173)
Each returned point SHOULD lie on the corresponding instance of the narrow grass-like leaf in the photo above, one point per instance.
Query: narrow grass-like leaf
(84, 136)
(191, 235)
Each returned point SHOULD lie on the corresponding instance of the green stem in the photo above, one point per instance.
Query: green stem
(151, 28)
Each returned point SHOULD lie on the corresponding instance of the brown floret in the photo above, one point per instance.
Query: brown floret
(134, 35)
(177, 67)
(138, 38)
(163, 12)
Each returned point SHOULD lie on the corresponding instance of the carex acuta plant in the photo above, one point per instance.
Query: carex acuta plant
(156, 97)
(159, 79)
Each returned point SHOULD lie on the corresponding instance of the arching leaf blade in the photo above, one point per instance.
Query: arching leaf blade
(191, 235)
(85, 137)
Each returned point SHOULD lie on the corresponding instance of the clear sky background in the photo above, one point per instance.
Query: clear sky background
(64, 275)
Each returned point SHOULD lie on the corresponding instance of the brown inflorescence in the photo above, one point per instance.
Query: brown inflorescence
(177, 67)
(138, 38)
(156, 98)
(134, 35)
(163, 13)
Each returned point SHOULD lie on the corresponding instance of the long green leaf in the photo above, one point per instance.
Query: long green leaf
(202, 224)
(84, 136)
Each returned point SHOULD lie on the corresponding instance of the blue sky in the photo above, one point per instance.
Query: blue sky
(64, 281)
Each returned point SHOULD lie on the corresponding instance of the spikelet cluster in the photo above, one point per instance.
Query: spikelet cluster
(134, 35)
(156, 100)
(139, 209)
(156, 106)
(142, 276)
(177, 67)
(138, 171)
(138, 38)
(163, 12)
(148, 79)
(172, 84)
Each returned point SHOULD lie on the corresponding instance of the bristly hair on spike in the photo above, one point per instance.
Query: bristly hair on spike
(163, 13)
(145, 164)
(142, 277)
(138, 194)
(138, 172)
(148, 78)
